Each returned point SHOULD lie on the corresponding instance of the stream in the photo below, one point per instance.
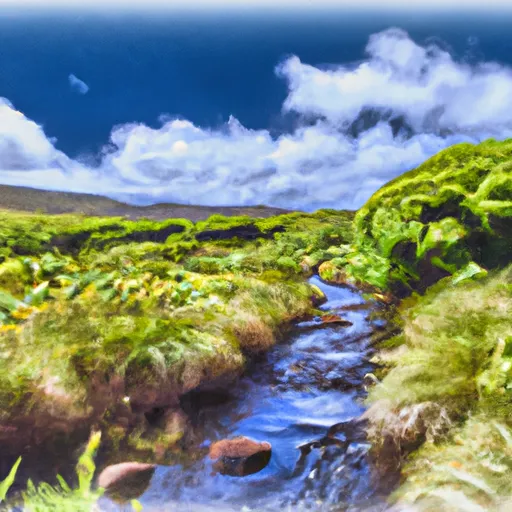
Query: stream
(304, 397)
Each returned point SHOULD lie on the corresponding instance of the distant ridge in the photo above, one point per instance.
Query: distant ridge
(31, 200)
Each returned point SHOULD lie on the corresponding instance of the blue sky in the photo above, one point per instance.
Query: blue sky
(315, 164)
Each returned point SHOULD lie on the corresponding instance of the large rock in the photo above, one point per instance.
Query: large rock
(318, 297)
(240, 456)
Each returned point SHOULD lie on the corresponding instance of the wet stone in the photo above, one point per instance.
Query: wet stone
(240, 456)
(126, 480)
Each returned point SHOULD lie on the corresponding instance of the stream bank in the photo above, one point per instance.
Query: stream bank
(305, 398)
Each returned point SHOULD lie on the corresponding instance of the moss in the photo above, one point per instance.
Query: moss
(205, 265)
(32, 234)
(220, 222)
(443, 215)
(15, 276)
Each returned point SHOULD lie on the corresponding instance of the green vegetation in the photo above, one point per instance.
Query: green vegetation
(470, 472)
(469, 321)
(45, 498)
(103, 320)
(6, 484)
(440, 238)
(454, 210)
(443, 408)
(83, 498)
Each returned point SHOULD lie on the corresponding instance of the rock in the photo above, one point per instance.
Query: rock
(120, 473)
(240, 456)
(330, 318)
(328, 271)
(369, 381)
(326, 320)
(318, 296)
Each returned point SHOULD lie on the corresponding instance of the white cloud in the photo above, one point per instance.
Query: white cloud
(77, 85)
(423, 84)
(23, 144)
(339, 157)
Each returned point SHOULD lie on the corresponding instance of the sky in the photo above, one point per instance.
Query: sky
(336, 159)
(336, 155)
(217, 4)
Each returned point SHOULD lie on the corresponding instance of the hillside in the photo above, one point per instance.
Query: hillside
(34, 200)
(452, 212)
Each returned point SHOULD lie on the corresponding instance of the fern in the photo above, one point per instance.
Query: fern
(46, 497)
(5, 485)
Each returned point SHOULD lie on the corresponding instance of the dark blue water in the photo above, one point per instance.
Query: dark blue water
(200, 67)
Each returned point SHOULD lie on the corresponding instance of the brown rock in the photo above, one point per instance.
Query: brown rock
(118, 473)
(240, 456)
(330, 318)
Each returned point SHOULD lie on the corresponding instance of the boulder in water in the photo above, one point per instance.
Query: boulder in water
(240, 456)
(318, 296)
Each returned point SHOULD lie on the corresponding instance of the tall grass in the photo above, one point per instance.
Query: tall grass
(449, 393)
(6, 484)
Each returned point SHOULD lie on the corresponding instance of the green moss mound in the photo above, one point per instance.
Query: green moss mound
(453, 210)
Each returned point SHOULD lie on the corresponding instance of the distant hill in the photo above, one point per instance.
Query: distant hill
(31, 200)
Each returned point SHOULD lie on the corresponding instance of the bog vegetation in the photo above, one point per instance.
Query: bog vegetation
(106, 320)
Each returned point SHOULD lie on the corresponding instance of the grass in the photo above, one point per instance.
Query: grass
(447, 395)
(95, 311)
(470, 472)
(468, 322)
(6, 484)
(103, 319)
(45, 498)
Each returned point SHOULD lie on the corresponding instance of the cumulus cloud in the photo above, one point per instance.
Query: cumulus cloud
(425, 85)
(362, 125)
(23, 144)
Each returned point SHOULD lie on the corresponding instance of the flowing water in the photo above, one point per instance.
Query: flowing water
(305, 398)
